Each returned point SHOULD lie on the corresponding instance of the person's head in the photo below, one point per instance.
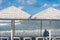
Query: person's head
(45, 30)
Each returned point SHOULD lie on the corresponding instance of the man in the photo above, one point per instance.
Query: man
(46, 34)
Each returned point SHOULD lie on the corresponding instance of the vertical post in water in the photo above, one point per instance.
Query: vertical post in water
(41, 27)
(50, 30)
(0, 35)
(12, 28)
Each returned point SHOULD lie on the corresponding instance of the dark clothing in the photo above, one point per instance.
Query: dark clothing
(46, 33)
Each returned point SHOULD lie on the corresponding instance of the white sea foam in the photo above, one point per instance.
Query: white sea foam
(27, 32)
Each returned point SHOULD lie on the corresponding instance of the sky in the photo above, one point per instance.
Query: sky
(30, 6)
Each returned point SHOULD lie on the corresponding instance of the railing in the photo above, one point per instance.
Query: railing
(4, 38)
(47, 38)
(30, 38)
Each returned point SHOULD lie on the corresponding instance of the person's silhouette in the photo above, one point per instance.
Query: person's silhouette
(46, 33)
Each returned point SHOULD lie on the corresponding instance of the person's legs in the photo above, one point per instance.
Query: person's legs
(44, 38)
